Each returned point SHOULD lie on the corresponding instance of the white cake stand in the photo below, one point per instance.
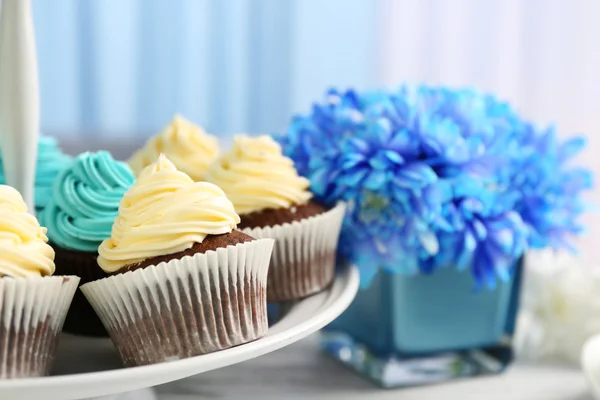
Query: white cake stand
(89, 367)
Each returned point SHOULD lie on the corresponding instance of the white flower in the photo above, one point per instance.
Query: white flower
(560, 307)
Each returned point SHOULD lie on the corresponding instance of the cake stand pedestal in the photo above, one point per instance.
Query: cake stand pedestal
(90, 367)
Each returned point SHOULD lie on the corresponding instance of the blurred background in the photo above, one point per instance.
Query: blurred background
(113, 72)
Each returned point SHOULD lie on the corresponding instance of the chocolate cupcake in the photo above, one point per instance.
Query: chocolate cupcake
(79, 216)
(273, 201)
(183, 281)
(33, 304)
(188, 146)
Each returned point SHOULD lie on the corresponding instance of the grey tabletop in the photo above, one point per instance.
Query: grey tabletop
(300, 371)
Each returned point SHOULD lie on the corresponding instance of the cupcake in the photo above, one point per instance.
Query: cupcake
(33, 304)
(273, 201)
(50, 161)
(187, 146)
(79, 216)
(183, 281)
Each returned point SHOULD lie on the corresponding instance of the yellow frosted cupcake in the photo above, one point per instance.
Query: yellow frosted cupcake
(273, 201)
(183, 281)
(188, 146)
(33, 304)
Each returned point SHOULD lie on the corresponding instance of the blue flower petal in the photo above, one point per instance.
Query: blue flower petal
(571, 147)
(393, 157)
(375, 180)
(380, 162)
(353, 178)
(424, 165)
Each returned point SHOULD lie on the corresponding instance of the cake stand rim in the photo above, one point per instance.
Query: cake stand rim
(305, 317)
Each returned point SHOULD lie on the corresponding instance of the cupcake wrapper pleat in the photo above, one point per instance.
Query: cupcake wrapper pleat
(81, 318)
(32, 312)
(303, 260)
(186, 307)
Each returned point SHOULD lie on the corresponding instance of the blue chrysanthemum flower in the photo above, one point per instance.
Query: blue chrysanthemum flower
(435, 177)
(548, 190)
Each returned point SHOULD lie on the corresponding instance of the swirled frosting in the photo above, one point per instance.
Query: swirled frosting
(23, 243)
(165, 212)
(85, 201)
(256, 176)
(50, 161)
(190, 148)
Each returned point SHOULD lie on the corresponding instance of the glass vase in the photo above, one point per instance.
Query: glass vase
(410, 330)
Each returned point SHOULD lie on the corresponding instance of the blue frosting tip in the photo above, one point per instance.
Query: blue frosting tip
(85, 201)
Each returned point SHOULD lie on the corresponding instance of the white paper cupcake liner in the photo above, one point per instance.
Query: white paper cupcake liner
(32, 312)
(303, 260)
(182, 308)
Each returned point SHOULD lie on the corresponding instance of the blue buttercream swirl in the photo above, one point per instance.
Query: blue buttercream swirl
(85, 201)
(50, 161)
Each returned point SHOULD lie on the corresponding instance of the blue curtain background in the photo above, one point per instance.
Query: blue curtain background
(124, 67)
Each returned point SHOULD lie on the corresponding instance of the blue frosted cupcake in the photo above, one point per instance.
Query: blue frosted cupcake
(79, 216)
(50, 161)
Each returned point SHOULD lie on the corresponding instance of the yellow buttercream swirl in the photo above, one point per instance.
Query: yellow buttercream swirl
(164, 212)
(255, 175)
(190, 148)
(23, 242)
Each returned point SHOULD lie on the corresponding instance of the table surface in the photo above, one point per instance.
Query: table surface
(300, 371)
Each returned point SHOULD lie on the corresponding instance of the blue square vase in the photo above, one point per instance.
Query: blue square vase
(409, 330)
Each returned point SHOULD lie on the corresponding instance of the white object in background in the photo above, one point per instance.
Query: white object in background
(19, 97)
(89, 367)
(590, 362)
(560, 307)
